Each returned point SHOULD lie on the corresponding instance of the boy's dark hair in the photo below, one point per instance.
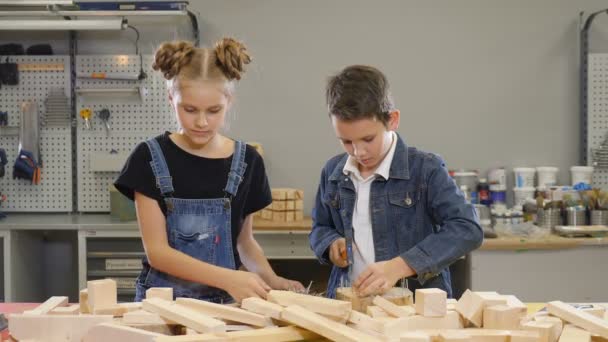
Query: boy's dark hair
(359, 92)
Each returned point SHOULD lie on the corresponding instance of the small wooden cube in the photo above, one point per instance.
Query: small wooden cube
(431, 302)
(279, 205)
(502, 317)
(278, 216)
(548, 331)
(299, 205)
(278, 194)
(299, 216)
(290, 216)
(290, 205)
(165, 293)
(102, 293)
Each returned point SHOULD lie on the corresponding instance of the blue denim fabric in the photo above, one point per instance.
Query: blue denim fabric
(200, 228)
(418, 214)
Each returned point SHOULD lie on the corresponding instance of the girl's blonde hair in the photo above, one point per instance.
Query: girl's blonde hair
(181, 60)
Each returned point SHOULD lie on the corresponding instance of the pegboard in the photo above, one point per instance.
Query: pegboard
(54, 193)
(597, 112)
(133, 119)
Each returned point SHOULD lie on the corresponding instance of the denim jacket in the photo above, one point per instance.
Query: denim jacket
(418, 214)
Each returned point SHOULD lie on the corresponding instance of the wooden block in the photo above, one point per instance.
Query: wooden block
(114, 332)
(396, 295)
(53, 328)
(596, 311)
(298, 205)
(262, 307)
(144, 317)
(266, 214)
(48, 305)
(451, 304)
(572, 333)
(184, 316)
(431, 302)
(524, 336)
(226, 312)
(320, 305)
(580, 318)
(454, 336)
(299, 216)
(114, 310)
(415, 336)
(279, 205)
(278, 194)
(450, 321)
(290, 216)
(318, 324)
(488, 335)
(546, 330)
(66, 310)
(558, 323)
(514, 302)
(376, 311)
(290, 333)
(471, 305)
(393, 309)
(502, 317)
(278, 216)
(83, 300)
(290, 205)
(133, 306)
(366, 322)
(102, 294)
(165, 293)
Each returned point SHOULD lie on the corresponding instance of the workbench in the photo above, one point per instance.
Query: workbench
(51, 254)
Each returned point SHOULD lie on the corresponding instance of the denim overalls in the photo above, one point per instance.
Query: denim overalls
(200, 228)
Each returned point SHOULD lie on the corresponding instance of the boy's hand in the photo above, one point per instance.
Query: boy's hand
(381, 276)
(337, 253)
(280, 283)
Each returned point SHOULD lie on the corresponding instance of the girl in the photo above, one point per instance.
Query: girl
(195, 190)
(385, 211)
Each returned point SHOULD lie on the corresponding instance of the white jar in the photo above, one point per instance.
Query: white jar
(547, 176)
(581, 174)
(524, 177)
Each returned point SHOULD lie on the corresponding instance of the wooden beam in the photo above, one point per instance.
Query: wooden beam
(393, 309)
(572, 333)
(580, 318)
(41, 67)
(165, 293)
(226, 312)
(184, 316)
(48, 305)
(262, 307)
(73, 309)
(282, 334)
(325, 327)
(366, 322)
(114, 332)
(53, 328)
(320, 305)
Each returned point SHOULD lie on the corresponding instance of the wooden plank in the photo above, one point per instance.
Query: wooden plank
(366, 322)
(392, 308)
(114, 332)
(450, 321)
(48, 305)
(396, 295)
(282, 334)
(66, 310)
(184, 316)
(262, 307)
(415, 336)
(144, 317)
(320, 305)
(53, 328)
(376, 312)
(226, 312)
(325, 327)
(583, 319)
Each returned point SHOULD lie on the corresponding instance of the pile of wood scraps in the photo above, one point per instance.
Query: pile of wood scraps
(289, 316)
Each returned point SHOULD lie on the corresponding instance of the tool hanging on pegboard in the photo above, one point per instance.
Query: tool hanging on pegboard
(86, 114)
(9, 73)
(104, 115)
(57, 108)
(28, 164)
(3, 162)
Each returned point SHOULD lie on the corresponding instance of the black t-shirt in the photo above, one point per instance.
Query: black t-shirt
(196, 177)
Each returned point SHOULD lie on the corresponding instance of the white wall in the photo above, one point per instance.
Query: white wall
(484, 83)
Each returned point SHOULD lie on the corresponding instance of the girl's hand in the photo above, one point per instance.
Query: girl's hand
(280, 283)
(243, 284)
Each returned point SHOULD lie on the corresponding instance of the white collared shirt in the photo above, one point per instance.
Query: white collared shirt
(363, 245)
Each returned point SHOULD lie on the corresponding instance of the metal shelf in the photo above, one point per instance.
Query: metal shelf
(117, 273)
(115, 255)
